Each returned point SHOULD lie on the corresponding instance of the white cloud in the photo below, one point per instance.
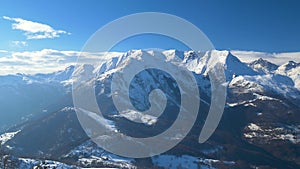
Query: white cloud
(3, 51)
(46, 60)
(19, 43)
(35, 30)
(276, 58)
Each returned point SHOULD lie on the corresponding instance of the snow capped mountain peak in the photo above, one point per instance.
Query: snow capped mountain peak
(70, 68)
(287, 67)
(83, 68)
(223, 55)
(190, 55)
(261, 61)
(263, 66)
(172, 53)
(233, 66)
(291, 69)
(229, 57)
(63, 74)
(292, 64)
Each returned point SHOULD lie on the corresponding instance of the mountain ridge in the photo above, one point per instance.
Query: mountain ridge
(260, 115)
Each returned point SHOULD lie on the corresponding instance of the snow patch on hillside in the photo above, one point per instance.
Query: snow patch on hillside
(265, 134)
(90, 153)
(26, 163)
(186, 162)
(7, 136)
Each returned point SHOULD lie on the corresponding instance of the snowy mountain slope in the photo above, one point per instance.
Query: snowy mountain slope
(292, 70)
(258, 95)
(248, 88)
(263, 66)
(7, 136)
(44, 89)
(233, 66)
(271, 83)
(288, 68)
(260, 72)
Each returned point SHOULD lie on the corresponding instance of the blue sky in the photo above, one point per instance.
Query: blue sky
(269, 26)
(34, 32)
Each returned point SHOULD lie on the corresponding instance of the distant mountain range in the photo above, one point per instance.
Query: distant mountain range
(260, 126)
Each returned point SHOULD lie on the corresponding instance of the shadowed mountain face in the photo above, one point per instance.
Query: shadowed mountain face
(25, 96)
(259, 128)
